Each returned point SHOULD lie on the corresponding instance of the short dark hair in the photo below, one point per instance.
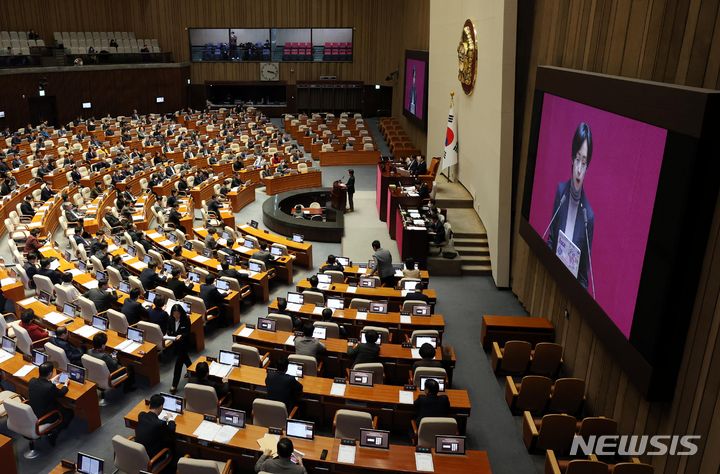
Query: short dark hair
(66, 277)
(202, 370)
(209, 279)
(327, 314)
(46, 368)
(135, 293)
(582, 134)
(159, 301)
(99, 340)
(427, 351)
(371, 336)
(282, 365)
(308, 329)
(156, 401)
(102, 283)
(263, 246)
(376, 244)
(285, 448)
(432, 386)
(282, 304)
(410, 263)
(27, 316)
(224, 264)
(331, 259)
(60, 331)
(175, 272)
(313, 281)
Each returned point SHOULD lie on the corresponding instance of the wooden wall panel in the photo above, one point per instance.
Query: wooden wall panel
(675, 41)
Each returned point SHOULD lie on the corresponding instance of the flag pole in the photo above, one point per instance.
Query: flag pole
(452, 104)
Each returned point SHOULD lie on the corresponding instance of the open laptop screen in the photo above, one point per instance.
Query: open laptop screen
(300, 429)
(87, 464)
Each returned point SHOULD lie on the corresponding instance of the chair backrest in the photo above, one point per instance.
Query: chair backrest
(348, 423)
(284, 322)
(556, 433)
(546, 359)
(129, 455)
(97, 371)
(376, 368)
(197, 466)
(20, 418)
(260, 263)
(429, 372)
(114, 276)
(57, 356)
(233, 283)
(586, 466)
(534, 393)
(424, 332)
(151, 333)
(360, 304)
(567, 396)
(314, 297)
(309, 363)
(269, 413)
(283, 248)
(249, 355)
(43, 283)
(136, 283)
(516, 356)
(337, 277)
(431, 426)
(166, 292)
(408, 305)
(201, 399)
(632, 468)
(332, 330)
(62, 296)
(96, 263)
(384, 333)
(87, 308)
(197, 305)
(22, 339)
(117, 321)
(597, 426)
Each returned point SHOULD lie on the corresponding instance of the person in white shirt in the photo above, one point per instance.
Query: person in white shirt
(71, 292)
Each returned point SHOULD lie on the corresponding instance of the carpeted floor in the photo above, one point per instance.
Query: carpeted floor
(462, 300)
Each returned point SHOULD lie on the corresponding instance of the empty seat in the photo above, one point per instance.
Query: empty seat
(187, 465)
(555, 431)
(201, 399)
(22, 420)
(430, 427)
(132, 457)
(250, 356)
(512, 358)
(348, 423)
(567, 396)
(546, 359)
(270, 414)
(531, 394)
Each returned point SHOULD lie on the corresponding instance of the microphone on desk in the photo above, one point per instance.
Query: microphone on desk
(562, 200)
(587, 243)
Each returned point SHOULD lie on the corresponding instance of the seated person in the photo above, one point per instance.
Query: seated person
(327, 318)
(283, 463)
(202, 377)
(152, 432)
(134, 312)
(149, 279)
(212, 297)
(282, 387)
(60, 339)
(45, 270)
(102, 296)
(32, 244)
(27, 322)
(99, 352)
(427, 352)
(282, 309)
(368, 351)
(44, 397)
(307, 344)
(26, 207)
(417, 294)
(313, 280)
(179, 288)
(410, 271)
(431, 404)
(157, 313)
(116, 263)
(333, 264)
(263, 255)
(210, 240)
(226, 271)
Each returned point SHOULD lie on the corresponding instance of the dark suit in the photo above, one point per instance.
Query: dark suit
(26, 209)
(580, 238)
(54, 275)
(154, 433)
(103, 300)
(181, 346)
(232, 273)
(211, 296)
(283, 388)
(365, 353)
(46, 193)
(134, 311)
(263, 256)
(418, 297)
(431, 405)
(73, 353)
(221, 389)
(150, 280)
(350, 186)
(44, 397)
(179, 288)
(159, 317)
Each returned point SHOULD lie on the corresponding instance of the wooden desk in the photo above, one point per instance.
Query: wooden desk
(311, 179)
(12, 290)
(501, 329)
(10, 202)
(7, 455)
(348, 318)
(394, 297)
(82, 399)
(411, 241)
(383, 401)
(57, 179)
(382, 180)
(397, 197)
(168, 184)
(349, 158)
(205, 190)
(302, 251)
(243, 450)
(132, 183)
(241, 198)
(98, 208)
(397, 360)
(355, 272)
(46, 216)
(24, 175)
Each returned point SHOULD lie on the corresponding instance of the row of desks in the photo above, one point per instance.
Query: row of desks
(280, 184)
(393, 296)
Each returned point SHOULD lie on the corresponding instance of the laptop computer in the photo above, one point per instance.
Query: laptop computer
(38, 358)
(380, 307)
(421, 310)
(124, 287)
(76, 373)
(319, 332)
(344, 261)
(69, 310)
(298, 238)
(194, 277)
(439, 380)
(172, 406)
(101, 276)
(229, 358)
(222, 286)
(254, 267)
(136, 335)
(87, 464)
(247, 243)
(295, 298)
(300, 429)
(100, 323)
(420, 340)
(367, 282)
(335, 303)
(295, 369)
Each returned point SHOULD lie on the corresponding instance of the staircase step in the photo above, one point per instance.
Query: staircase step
(470, 241)
(475, 259)
(477, 270)
(469, 235)
(450, 203)
(471, 251)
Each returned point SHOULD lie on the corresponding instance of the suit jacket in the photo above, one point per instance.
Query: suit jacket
(36, 332)
(134, 311)
(232, 273)
(429, 405)
(211, 296)
(44, 396)
(46, 193)
(150, 280)
(421, 168)
(417, 296)
(111, 363)
(183, 329)
(54, 275)
(179, 288)
(350, 185)
(278, 466)
(27, 209)
(309, 346)
(580, 238)
(159, 317)
(73, 353)
(220, 388)
(103, 299)
(283, 388)
(365, 353)
(264, 256)
(154, 433)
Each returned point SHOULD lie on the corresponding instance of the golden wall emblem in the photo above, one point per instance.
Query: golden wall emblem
(467, 57)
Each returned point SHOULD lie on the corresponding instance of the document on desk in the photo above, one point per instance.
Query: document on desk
(24, 370)
(318, 309)
(128, 346)
(75, 272)
(86, 331)
(415, 353)
(55, 318)
(199, 259)
(153, 234)
(90, 284)
(245, 332)
(269, 441)
(405, 319)
(206, 430)
(167, 243)
(323, 286)
(55, 264)
(294, 307)
(225, 434)
(408, 398)
(7, 281)
(28, 301)
(346, 454)
(243, 249)
(362, 315)
(290, 341)
(112, 248)
(338, 389)
(138, 265)
(424, 462)
(220, 370)
(351, 289)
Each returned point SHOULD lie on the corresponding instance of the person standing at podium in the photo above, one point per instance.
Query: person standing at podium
(350, 185)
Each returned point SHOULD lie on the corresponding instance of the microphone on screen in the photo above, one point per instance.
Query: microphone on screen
(587, 242)
(562, 200)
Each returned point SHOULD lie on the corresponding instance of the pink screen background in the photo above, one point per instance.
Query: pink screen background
(620, 185)
(419, 86)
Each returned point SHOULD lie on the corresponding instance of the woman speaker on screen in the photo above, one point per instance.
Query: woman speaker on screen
(573, 221)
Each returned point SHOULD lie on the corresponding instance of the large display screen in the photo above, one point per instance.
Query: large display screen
(595, 180)
(416, 87)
